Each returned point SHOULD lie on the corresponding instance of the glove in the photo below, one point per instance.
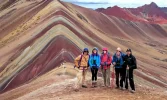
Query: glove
(114, 63)
(98, 67)
(102, 64)
(105, 63)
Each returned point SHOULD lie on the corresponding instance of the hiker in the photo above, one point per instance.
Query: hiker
(81, 62)
(118, 61)
(105, 66)
(94, 63)
(131, 63)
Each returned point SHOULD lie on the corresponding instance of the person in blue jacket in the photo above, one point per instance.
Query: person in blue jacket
(94, 63)
(118, 62)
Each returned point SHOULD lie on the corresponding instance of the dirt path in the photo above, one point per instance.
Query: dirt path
(65, 91)
(57, 86)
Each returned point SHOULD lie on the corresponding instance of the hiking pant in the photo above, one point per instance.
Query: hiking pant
(131, 81)
(94, 74)
(123, 77)
(81, 78)
(120, 76)
(106, 76)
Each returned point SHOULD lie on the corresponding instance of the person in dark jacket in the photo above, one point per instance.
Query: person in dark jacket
(118, 62)
(130, 61)
(94, 63)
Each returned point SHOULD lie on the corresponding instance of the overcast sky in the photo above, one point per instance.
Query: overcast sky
(121, 3)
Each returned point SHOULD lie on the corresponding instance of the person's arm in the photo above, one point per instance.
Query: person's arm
(90, 62)
(109, 61)
(98, 61)
(101, 60)
(134, 63)
(76, 61)
(113, 61)
(123, 54)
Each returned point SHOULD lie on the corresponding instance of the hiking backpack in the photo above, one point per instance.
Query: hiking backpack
(80, 61)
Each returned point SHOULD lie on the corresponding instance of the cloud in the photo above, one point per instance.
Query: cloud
(121, 3)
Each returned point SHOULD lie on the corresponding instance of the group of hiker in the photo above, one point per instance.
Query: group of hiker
(124, 64)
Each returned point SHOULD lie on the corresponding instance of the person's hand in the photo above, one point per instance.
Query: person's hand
(127, 67)
(101, 67)
(105, 63)
(114, 63)
(96, 65)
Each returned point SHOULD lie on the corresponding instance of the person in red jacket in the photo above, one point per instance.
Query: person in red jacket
(105, 66)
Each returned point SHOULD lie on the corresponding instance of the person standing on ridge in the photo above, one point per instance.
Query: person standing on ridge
(81, 62)
(94, 63)
(105, 66)
(118, 62)
(131, 63)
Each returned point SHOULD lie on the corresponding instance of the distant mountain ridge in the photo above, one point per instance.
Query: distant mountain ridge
(147, 13)
(164, 9)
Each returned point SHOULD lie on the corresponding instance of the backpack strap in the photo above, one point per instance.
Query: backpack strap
(108, 56)
(79, 63)
(88, 61)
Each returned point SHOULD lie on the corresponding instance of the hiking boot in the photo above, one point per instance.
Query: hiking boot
(84, 86)
(117, 87)
(132, 91)
(76, 90)
(95, 84)
(109, 86)
(121, 88)
(104, 85)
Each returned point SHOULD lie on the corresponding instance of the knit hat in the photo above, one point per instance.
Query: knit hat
(119, 49)
(85, 50)
(105, 49)
(128, 50)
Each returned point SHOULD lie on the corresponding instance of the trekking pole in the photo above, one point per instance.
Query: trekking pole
(112, 78)
(127, 77)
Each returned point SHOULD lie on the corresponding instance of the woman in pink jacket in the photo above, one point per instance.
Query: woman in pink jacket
(105, 66)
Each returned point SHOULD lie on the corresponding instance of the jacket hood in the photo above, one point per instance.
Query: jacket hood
(85, 49)
(95, 48)
(105, 49)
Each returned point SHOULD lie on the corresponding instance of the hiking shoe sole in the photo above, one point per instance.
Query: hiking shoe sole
(132, 91)
(76, 90)
(84, 86)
